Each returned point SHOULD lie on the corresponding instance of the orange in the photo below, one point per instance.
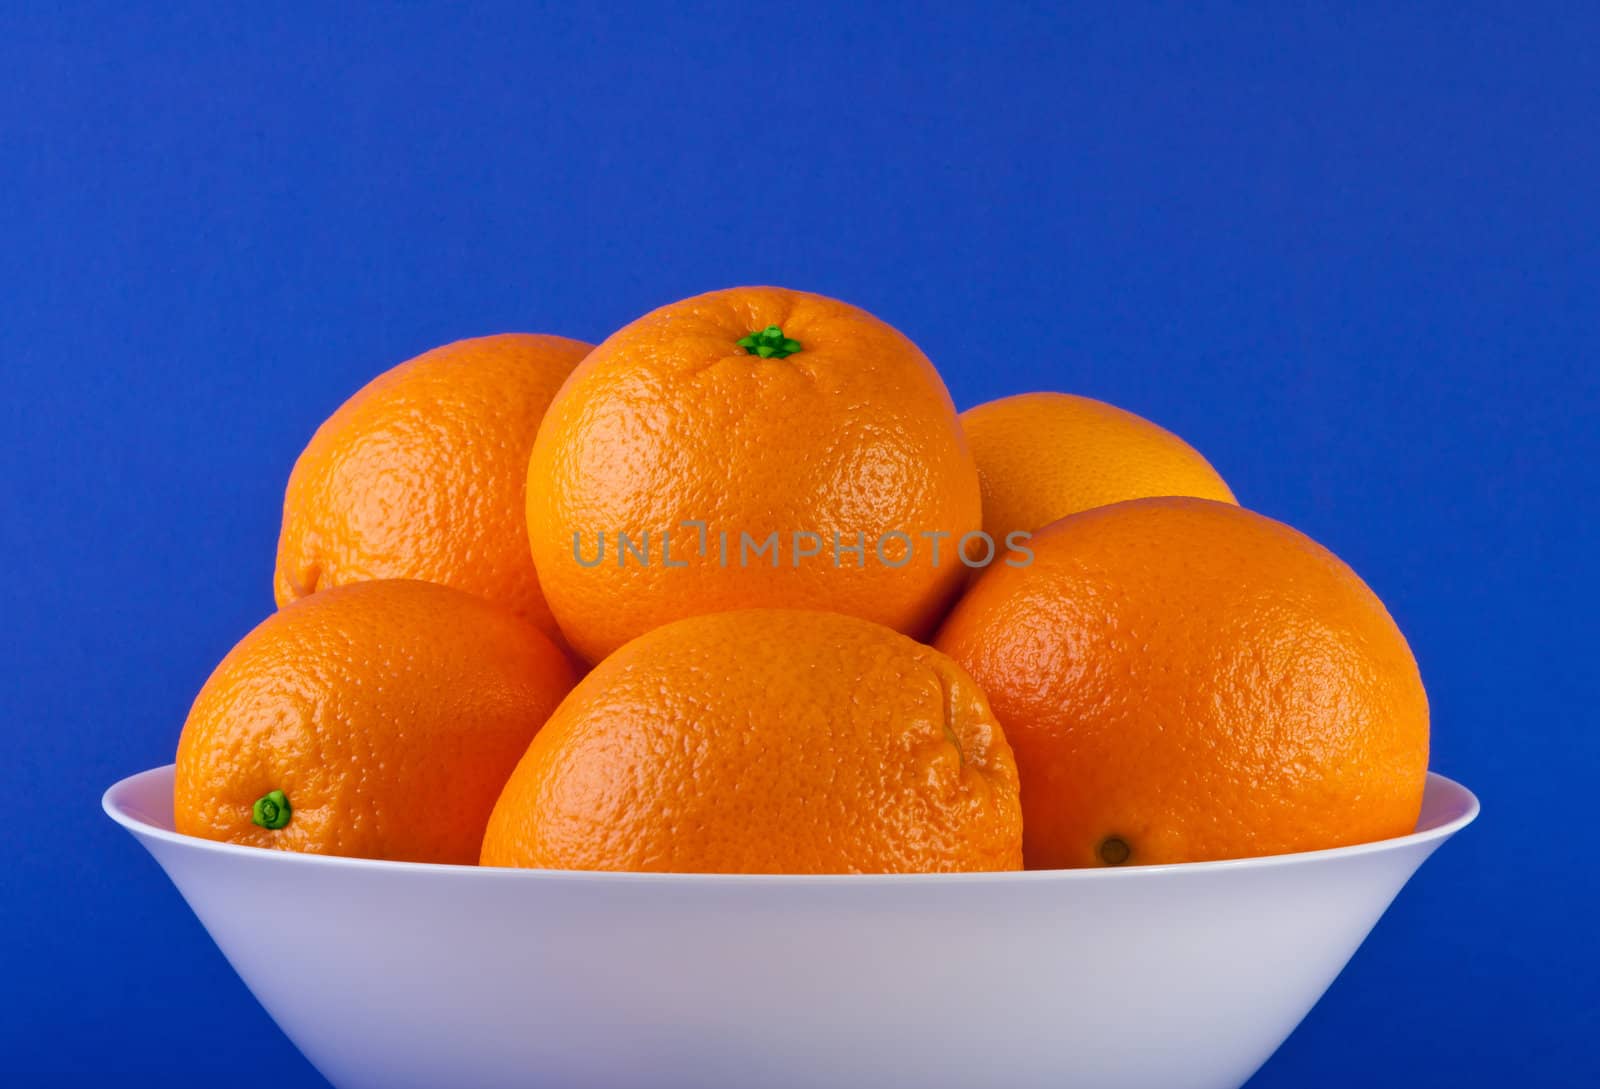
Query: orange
(1042, 456)
(757, 447)
(1183, 680)
(420, 475)
(766, 741)
(376, 720)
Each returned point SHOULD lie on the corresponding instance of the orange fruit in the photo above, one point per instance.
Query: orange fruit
(1184, 680)
(1042, 456)
(766, 741)
(749, 440)
(420, 476)
(376, 720)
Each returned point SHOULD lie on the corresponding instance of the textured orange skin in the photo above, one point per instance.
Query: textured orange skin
(766, 741)
(1199, 680)
(668, 420)
(1042, 456)
(420, 476)
(389, 712)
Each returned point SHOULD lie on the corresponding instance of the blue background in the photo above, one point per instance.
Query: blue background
(1352, 256)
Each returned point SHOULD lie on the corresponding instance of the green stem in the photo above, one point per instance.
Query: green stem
(769, 343)
(272, 810)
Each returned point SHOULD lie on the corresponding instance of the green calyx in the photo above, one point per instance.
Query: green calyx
(769, 343)
(271, 810)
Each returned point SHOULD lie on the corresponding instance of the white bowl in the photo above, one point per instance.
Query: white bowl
(390, 975)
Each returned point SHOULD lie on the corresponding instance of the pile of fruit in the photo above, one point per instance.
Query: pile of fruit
(738, 591)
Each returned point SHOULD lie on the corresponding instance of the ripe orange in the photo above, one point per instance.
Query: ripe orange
(766, 741)
(1184, 680)
(376, 720)
(1042, 456)
(741, 430)
(420, 475)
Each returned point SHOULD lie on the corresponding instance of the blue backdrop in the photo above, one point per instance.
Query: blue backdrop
(1353, 257)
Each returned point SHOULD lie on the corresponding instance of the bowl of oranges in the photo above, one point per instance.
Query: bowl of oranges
(716, 706)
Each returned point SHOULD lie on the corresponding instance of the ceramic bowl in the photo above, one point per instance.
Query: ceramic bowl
(394, 975)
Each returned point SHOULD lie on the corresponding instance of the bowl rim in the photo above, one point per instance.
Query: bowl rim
(1460, 808)
(1454, 807)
